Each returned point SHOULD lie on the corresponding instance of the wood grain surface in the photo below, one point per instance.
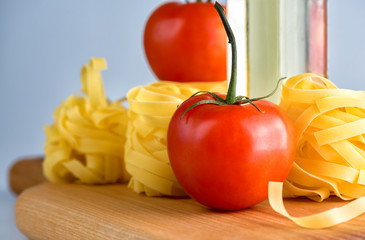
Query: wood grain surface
(66, 211)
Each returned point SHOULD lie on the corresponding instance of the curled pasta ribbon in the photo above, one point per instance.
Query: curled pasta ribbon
(150, 110)
(85, 144)
(330, 156)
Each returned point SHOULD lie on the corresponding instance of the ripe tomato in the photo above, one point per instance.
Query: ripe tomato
(225, 155)
(186, 42)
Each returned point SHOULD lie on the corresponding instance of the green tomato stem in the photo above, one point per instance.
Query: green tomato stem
(231, 94)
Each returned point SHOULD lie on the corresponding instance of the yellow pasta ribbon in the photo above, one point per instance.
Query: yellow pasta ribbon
(85, 144)
(330, 156)
(150, 110)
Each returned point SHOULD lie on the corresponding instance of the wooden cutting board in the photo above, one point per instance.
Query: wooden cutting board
(66, 211)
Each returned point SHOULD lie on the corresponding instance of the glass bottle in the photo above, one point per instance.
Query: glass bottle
(277, 38)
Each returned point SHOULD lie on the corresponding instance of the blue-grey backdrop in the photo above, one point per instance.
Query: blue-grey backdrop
(44, 43)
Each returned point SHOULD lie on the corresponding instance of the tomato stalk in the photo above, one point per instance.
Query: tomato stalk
(231, 94)
(231, 98)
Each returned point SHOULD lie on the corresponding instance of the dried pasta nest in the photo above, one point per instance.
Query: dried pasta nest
(330, 157)
(85, 144)
(151, 108)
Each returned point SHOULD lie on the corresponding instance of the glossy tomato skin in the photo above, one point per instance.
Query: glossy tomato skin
(186, 42)
(225, 156)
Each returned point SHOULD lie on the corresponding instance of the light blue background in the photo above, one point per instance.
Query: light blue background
(44, 43)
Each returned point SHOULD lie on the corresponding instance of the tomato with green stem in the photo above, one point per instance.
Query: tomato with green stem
(186, 42)
(225, 149)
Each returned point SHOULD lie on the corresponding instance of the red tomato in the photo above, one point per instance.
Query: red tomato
(225, 155)
(186, 42)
